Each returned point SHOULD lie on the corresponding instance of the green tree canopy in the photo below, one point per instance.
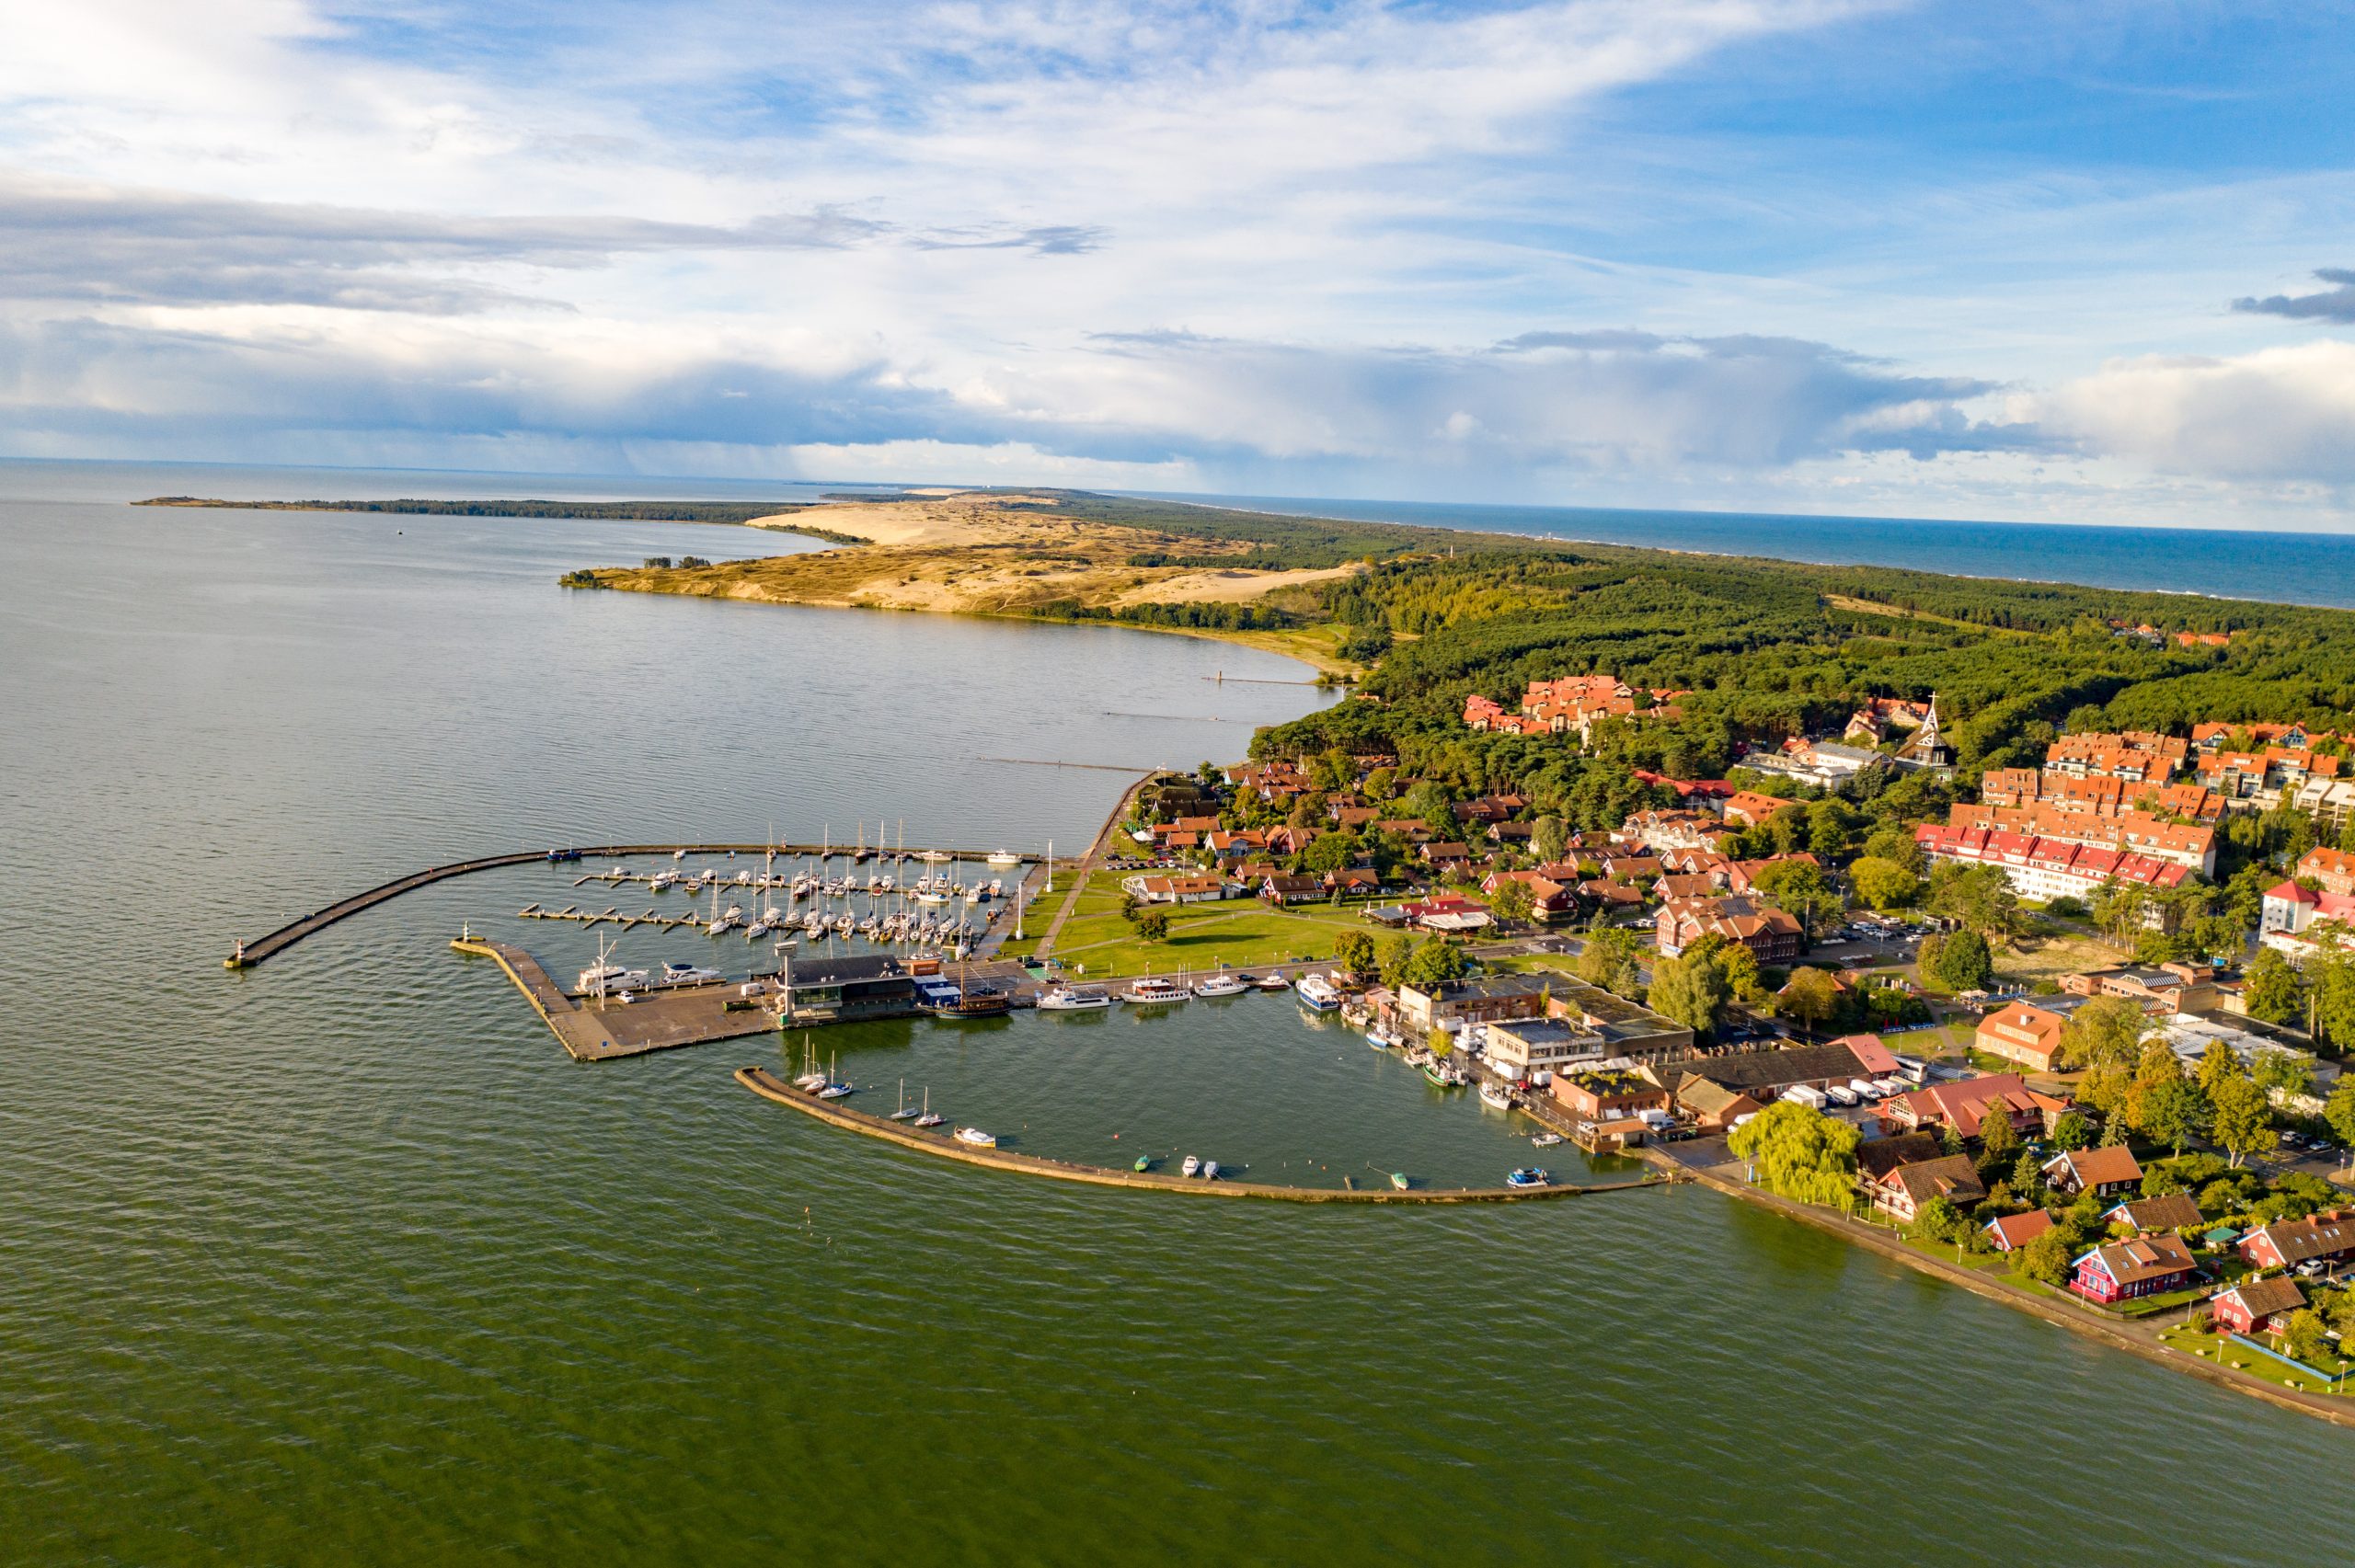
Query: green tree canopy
(1799, 1152)
(2271, 991)
(1883, 884)
(1692, 989)
(1808, 997)
(2242, 1122)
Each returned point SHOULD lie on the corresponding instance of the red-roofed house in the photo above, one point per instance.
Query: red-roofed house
(2106, 1171)
(2018, 1230)
(2123, 1271)
(1961, 1105)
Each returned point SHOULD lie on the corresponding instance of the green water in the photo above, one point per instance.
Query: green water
(342, 1260)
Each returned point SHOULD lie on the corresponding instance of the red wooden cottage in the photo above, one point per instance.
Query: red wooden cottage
(2124, 1270)
(2287, 1243)
(2259, 1306)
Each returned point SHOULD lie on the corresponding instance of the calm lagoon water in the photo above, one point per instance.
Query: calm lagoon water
(340, 1260)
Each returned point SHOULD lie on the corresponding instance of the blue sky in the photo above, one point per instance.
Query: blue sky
(2082, 262)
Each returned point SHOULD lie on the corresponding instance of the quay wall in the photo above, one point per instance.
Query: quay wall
(761, 1081)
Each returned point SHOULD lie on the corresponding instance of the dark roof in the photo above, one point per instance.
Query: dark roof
(2176, 1211)
(839, 968)
(1773, 1070)
(2298, 1240)
(2263, 1297)
(1878, 1157)
(1952, 1177)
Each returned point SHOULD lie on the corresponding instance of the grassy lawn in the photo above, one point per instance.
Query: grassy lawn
(1240, 931)
(2216, 1348)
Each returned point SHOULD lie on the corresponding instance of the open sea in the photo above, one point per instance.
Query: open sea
(2289, 568)
(341, 1261)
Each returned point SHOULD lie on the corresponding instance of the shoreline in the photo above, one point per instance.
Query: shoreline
(2339, 1411)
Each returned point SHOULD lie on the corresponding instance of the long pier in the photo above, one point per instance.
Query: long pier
(768, 1085)
(659, 1019)
(249, 953)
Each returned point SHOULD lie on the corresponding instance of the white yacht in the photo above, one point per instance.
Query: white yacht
(976, 1137)
(1317, 992)
(1005, 858)
(1221, 984)
(602, 979)
(688, 975)
(1152, 991)
(660, 880)
(1063, 999)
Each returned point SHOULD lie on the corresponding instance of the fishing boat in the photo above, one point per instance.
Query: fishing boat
(976, 1137)
(1444, 1074)
(1210, 1170)
(1381, 1039)
(1192, 1166)
(973, 1001)
(1063, 999)
(907, 1112)
(1398, 1180)
(1545, 1139)
(1221, 984)
(1529, 1176)
(1496, 1096)
(1154, 991)
(1005, 858)
(1317, 994)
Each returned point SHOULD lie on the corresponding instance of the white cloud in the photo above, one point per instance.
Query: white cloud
(2279, 414)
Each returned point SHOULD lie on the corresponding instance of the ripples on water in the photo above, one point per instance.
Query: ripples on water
(342, 1260)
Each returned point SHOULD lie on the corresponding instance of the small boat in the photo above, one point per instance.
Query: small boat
(1141, 1163)
(1442, 1075)
(1272, 982)
(1210, 1170)
(1496, 1096)
(1063, 999)
(1006, 857)
(660, 880)
(1154, 991)
(1192, 1166)
(833, 1091)
(1528, 1176)
(1380, 1039)
(678, 854)
(1317, 994)
(976, 1137)
(929, 1118)
(1545, 1139)
(1221, 984)
(1398, 1180)
(907, 1112)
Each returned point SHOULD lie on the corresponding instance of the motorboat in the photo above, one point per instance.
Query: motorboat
(1005, 858)
(660, 880)
(1381, 1039)
(688, 975)
(1398, 1180)
(1221, 984)
(1154, 991)
(1063, 999)
(1192, 1166)
(1529, 1176)
(1545, 1139)
(1496, 1096)
(976, 1137)
(1318, 993)
(1210, 1170)
(1273, 981)
(1141, 1163)
(604, 977)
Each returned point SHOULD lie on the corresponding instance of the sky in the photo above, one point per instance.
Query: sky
(2084, 262)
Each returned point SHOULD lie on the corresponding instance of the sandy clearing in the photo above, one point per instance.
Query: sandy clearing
(1228, 586)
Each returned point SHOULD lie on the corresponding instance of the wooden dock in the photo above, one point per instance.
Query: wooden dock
(602, 1030)
(768, 1085)
(249, 953)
